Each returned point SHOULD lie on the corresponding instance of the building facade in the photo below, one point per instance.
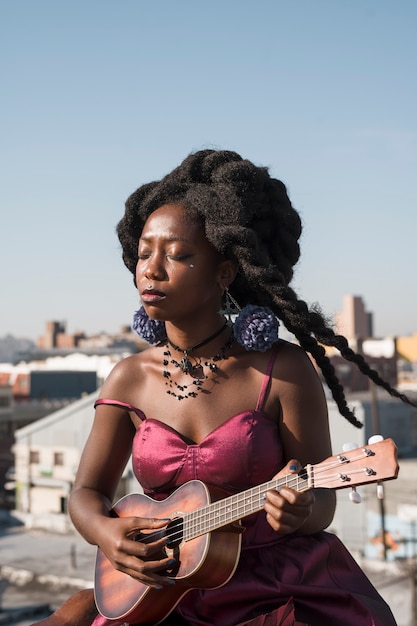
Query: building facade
(47, 453)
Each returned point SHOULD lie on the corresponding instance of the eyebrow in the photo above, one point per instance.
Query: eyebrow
(168, 239)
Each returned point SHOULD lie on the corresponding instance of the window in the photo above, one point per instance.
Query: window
(58, 458)
(34, 457)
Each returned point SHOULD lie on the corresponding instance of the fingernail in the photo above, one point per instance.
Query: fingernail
(293, 467)
(172, 562)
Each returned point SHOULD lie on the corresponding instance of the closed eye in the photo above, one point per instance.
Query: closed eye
(179, 258)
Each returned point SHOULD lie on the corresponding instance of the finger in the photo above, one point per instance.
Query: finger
(149, 572)
(289, 497)
(145, 523)
(144, 546)
(146, 530)
(293, 511)
(286, 511)
(287, 520)
(293, 466)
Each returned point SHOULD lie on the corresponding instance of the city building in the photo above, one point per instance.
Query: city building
(57, 337)
(354, 321)
(53, 378)
(47, 453)
(356, 324)
(57, 341)
(407, 348)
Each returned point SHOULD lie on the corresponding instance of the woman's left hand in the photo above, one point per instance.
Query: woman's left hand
(287, 510)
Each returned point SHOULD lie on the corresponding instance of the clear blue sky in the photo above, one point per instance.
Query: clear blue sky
(99, 96)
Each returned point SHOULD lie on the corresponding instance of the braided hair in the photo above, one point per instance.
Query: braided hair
(247, 216)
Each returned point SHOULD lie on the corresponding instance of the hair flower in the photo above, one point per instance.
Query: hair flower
(256, 328)
(152, 331)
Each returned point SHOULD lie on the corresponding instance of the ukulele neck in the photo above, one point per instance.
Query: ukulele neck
(240, 505)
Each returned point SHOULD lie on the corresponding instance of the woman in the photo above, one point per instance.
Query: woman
(230, 405)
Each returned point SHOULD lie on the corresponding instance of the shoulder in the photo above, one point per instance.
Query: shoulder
(292, 361)
(136, 361)
(295, 372)
(127, 373)
(292, 373)
(284, 361)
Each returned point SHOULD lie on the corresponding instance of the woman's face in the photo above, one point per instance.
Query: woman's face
(179, 274)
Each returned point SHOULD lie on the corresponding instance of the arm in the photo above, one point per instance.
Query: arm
(304, 431)
(103, 460)
(102, 463)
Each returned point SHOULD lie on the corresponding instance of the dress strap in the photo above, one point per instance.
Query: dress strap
(121, 405)
(267, 377)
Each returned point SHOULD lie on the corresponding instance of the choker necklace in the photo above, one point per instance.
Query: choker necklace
(185, 363)
(196, 371)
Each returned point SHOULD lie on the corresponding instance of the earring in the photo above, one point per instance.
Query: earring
(255, 327)
(152, 331)
(231, 308)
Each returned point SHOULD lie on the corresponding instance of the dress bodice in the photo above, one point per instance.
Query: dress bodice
(243, 451)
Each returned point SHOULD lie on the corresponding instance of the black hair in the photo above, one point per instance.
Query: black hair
(247, 216)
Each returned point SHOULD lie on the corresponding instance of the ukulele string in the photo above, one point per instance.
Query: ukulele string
(254, 497)
(155, 535)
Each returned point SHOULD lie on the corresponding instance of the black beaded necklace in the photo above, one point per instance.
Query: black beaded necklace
(196, 371)
(185, 363)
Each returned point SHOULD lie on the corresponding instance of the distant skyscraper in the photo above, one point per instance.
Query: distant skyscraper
(50, 339)
(354, 321)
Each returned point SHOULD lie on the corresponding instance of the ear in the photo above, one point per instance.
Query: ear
(226, 273)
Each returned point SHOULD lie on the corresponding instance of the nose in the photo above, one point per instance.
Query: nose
(151, 268)
(153, 274)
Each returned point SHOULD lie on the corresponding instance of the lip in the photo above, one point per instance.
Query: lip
(152, 295)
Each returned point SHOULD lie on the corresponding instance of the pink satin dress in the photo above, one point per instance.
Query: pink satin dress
(280, 580)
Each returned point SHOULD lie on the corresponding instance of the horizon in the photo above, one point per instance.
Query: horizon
(123, 326)
(99, 98)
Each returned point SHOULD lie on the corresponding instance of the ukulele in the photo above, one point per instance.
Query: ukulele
(202, 534)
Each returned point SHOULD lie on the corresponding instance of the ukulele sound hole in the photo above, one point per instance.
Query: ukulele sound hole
(174, 533)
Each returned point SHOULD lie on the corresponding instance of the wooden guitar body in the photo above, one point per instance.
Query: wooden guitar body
(207, 561)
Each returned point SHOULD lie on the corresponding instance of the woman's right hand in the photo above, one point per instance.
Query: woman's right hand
(127, 544)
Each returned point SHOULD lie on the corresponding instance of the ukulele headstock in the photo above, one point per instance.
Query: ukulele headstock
(369, 463)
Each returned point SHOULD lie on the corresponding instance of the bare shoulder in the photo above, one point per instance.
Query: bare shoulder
(127, 374)
(292, 362)
(136, 361)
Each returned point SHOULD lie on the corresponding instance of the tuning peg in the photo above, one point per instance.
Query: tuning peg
(380, 491)
(354, 496)
(375, 439)
(379, 486)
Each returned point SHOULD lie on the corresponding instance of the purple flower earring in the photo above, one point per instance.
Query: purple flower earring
(255, 327)
(152, 331)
